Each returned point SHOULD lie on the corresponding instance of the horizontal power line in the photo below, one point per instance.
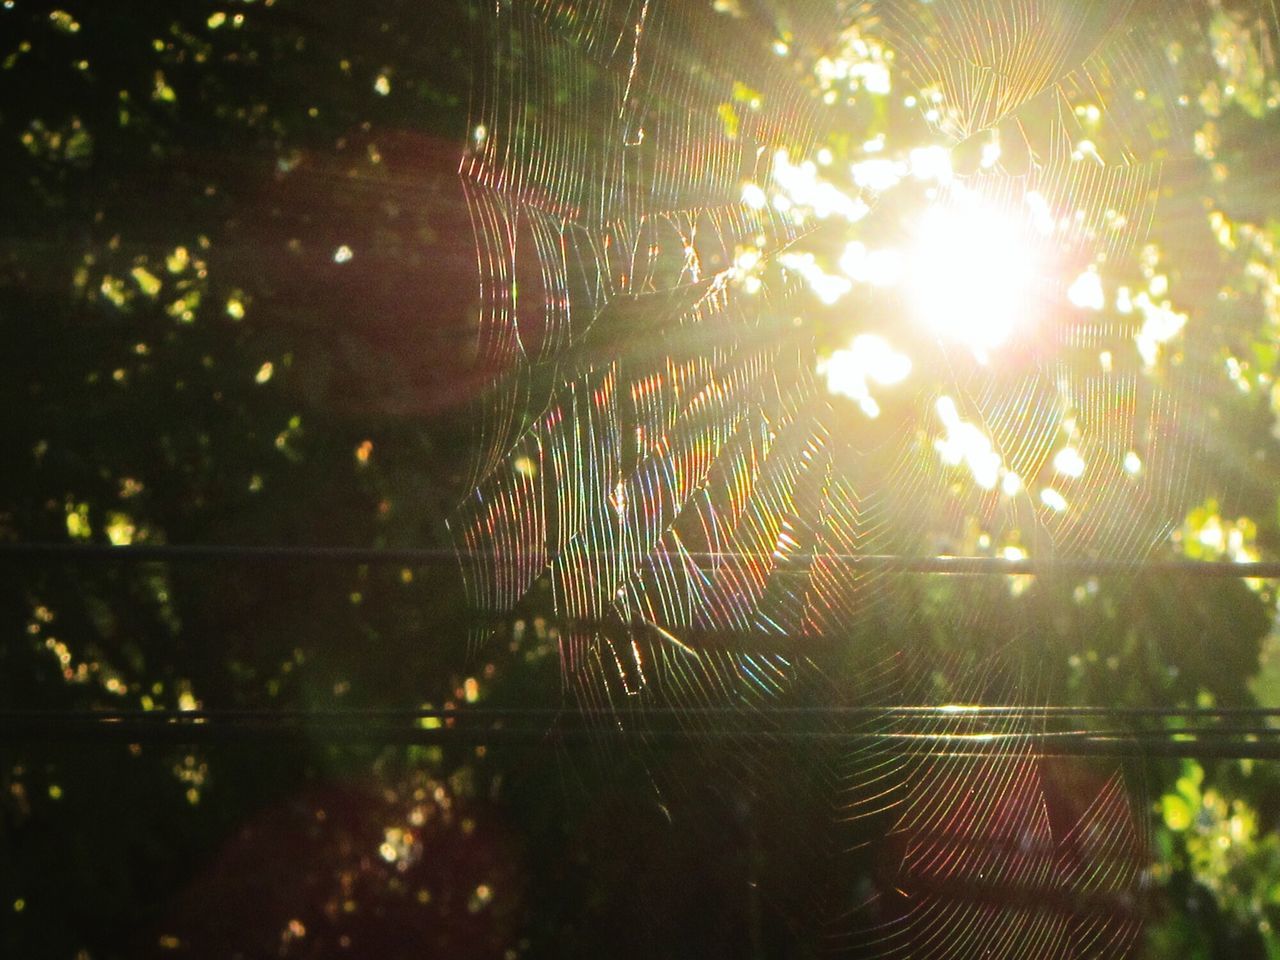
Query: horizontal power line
(800, 562)
(355, 728)
(947, 712)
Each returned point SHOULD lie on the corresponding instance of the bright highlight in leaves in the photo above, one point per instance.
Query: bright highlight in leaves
(869, 359)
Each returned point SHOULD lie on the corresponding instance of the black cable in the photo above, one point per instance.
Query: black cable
(486, 713)
(431, 556)
(950, 746)
(549, 719)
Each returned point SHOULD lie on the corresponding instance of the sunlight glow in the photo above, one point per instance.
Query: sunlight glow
(860, 62)
(965, 444)
(878, 175)
(1160, 324)
(1086, 292)
(1052, 499)
(754, 197)
(827, 287)
(1069, 463)
(879, 268)
(972, 272)
(931, 163)
(802, 187)
(869, 359)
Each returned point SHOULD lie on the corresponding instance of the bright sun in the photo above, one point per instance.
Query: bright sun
(971, 274)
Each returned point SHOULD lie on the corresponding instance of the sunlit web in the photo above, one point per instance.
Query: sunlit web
(719, 353)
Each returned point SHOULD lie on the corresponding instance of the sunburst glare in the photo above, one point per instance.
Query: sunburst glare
(972, 272)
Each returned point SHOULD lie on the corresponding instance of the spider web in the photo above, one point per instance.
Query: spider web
(659, 448)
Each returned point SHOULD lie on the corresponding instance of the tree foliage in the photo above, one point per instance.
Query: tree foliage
(236, 293)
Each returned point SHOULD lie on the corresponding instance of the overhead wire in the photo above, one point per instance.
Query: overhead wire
(435, 556)
(355, 728)
(543, 724)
